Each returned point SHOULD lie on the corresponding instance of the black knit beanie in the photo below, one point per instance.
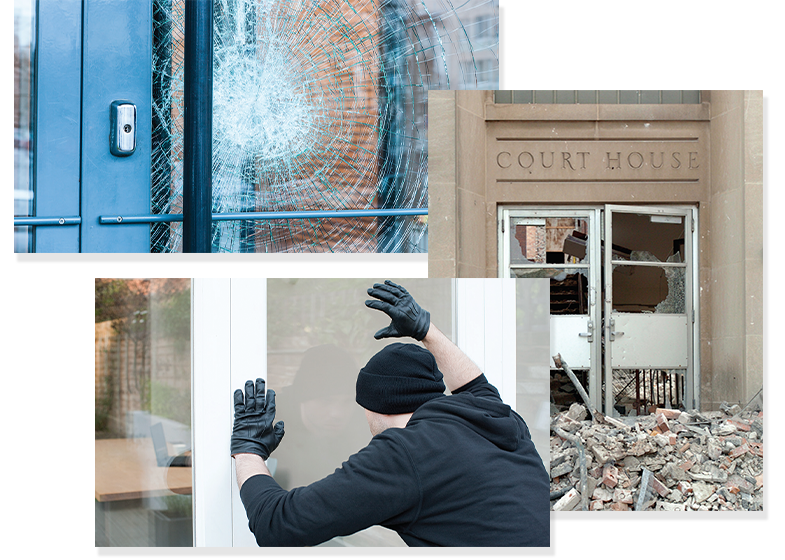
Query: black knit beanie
(398, 379)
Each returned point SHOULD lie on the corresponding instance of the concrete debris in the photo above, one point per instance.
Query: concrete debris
(670, 460)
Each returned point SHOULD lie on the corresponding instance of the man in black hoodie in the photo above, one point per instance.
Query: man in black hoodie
(457, 470)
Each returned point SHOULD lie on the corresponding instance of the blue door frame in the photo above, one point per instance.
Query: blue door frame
(90, 53)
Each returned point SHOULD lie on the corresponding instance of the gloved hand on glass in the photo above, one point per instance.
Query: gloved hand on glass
(254, 431)
(408, 318)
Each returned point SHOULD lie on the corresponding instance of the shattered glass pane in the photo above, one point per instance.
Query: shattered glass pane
(317, 105)
(549, 240)
(648, 289)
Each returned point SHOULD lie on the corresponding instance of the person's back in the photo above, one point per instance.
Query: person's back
(481, 480)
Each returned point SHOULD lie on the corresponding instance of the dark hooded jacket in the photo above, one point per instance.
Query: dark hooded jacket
(463, 472)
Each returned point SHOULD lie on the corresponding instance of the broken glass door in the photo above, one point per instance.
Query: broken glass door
(563, 246)
(649, 305)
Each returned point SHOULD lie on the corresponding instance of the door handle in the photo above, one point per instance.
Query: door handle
(588, 335)
(613, 333)
(122, 128)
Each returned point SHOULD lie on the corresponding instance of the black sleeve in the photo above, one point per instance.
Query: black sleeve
(479, 387)
(377, 485)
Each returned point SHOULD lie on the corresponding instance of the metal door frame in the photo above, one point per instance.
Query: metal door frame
(691, 292)
(592, 214)
(600, 230)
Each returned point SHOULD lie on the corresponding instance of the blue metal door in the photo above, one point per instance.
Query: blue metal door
(88, 54)
(115, 66)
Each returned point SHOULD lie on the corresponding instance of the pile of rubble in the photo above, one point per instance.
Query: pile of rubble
(670, 460)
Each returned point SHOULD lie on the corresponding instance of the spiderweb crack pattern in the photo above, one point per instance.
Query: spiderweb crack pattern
(317, 105)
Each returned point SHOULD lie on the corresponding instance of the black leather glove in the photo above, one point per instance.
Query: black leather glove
(253, 421)
(408, 318)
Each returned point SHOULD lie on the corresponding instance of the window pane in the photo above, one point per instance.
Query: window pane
(523, 96)
(587, 96)
(691, 96)
(143, 493)
(650, 96)
(628, 96)
(602, 96)
(503, 96)
(671, 96)
(24, 45)
(610, 97)
(548, 240)
(543, 96)
(319, 335)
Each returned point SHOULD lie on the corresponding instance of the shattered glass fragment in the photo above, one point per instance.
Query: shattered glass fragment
(317, 105)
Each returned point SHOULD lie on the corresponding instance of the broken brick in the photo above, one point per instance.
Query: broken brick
(741, 483)
(568, 501)
(659, 487)
(622, 496)
(739, 451)
(743, 426)
(610, 476)
(684, 447)
(662, 423)
(668, 413)
(684, 487)
(619, 506)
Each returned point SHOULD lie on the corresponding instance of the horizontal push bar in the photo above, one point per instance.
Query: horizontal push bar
(282, 215)
(57, 221)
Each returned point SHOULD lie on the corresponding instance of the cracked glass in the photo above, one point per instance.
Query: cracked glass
(317, 105)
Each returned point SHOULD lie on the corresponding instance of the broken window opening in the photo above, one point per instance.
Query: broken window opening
(655, 238)
(316, 106)
(549, 240)
(649, 289)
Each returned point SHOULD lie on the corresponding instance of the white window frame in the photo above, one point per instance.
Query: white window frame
(229, 346)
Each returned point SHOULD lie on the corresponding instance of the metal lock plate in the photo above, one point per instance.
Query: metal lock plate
(122, 135)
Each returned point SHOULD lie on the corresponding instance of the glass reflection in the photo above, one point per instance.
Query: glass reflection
(532, 358)
(143, 412)
(319, 335)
